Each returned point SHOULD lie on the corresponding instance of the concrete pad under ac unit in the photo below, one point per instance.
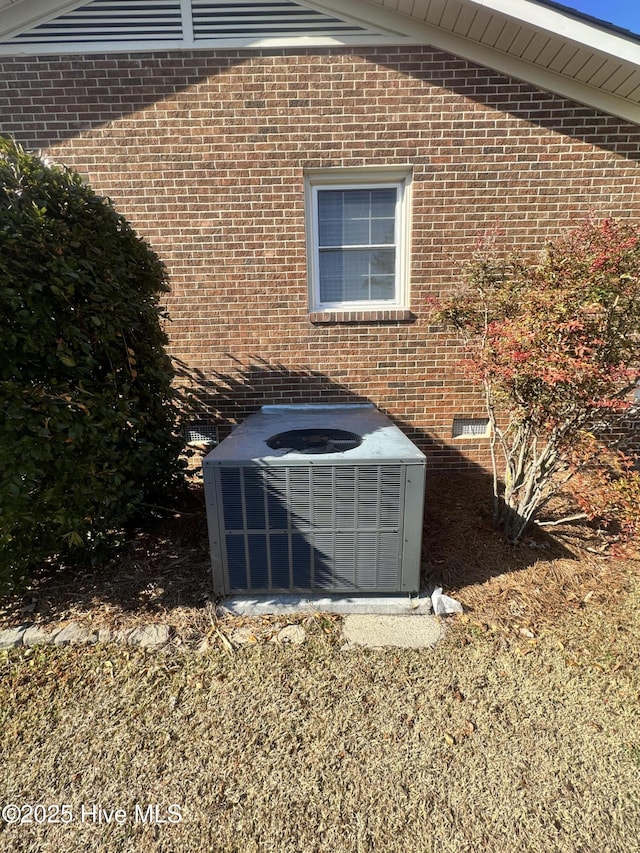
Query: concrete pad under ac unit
(291, 604)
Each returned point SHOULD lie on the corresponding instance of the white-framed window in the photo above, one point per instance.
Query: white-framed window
(358, 225)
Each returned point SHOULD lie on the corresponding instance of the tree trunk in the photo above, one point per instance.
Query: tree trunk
(512, 522)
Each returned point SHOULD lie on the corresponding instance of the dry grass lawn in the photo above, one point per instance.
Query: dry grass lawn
(519, 732)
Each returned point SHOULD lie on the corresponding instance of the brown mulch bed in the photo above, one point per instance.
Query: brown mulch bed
(161, 575)
(555, 568)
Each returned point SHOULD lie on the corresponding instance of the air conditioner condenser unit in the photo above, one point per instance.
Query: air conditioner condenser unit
(315, 498)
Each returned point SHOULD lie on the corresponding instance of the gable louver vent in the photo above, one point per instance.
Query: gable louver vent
(288, 514)
(114, 21)
(262, 17)
(151, 24)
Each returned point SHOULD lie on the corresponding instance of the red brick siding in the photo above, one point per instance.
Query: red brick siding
(205, 153)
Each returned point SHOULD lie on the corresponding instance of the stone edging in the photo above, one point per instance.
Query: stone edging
(146, 636)
(153, 636)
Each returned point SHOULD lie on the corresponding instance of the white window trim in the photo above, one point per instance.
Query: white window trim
(345, 179)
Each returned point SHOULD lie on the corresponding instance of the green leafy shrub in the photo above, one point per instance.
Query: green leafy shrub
(87, 418)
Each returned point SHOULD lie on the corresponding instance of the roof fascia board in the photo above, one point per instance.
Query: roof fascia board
(566, 26)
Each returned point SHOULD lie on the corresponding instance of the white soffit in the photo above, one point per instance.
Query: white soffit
(553, 50)
(538, 43)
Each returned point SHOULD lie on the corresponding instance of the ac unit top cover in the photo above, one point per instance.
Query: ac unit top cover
(380, 439)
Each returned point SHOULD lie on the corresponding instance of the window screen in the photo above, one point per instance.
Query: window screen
(357, 244)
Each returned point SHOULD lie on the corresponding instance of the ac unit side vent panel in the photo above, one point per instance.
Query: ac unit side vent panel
(289, 528)
(314, 517)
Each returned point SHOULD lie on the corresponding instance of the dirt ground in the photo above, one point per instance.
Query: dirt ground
(518, 732)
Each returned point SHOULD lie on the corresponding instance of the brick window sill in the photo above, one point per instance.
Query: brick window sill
(374, 316)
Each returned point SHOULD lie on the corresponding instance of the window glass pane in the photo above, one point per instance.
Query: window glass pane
(383, 202)
(383, 231)
(357, 271)
(331, 276)
(331, 232)
(383, 261)
(356, 232)
(357, 204)
(356, 275)
(356, 217)
(383, 216)
(382, 287)
(330, 217)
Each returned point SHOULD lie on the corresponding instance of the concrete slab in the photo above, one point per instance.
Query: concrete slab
(393, 605)
(382, 631)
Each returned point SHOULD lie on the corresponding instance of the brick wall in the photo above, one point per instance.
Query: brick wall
(204, 153)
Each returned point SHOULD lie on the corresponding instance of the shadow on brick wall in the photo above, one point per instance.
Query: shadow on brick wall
(223, 399)
(111, 92)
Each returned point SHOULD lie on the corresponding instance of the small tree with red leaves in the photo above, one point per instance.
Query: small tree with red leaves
(555, 344)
